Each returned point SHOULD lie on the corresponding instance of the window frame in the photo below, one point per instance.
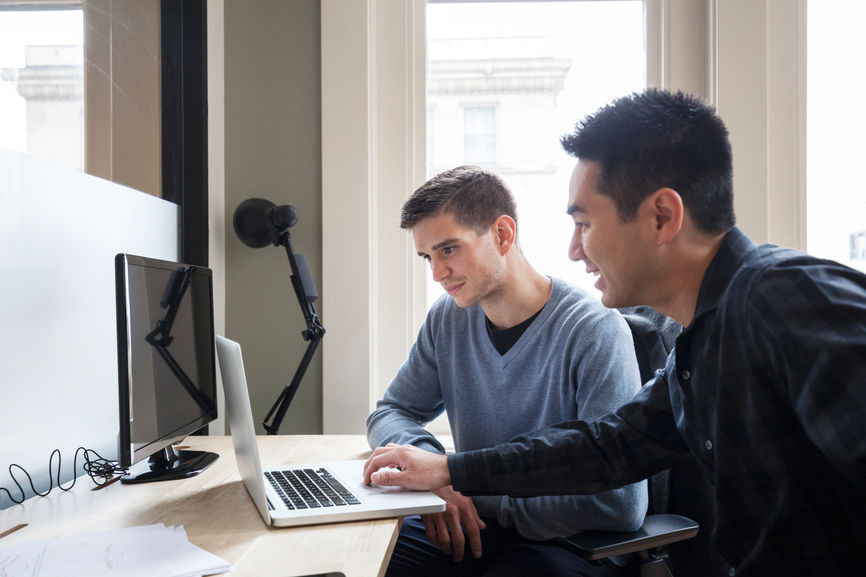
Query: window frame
(185, 122)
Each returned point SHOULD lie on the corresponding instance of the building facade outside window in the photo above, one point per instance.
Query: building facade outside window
(506, 80)
(42, 84)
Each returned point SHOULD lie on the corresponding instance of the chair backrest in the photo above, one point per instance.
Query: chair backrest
(654, 336)
(684, 489)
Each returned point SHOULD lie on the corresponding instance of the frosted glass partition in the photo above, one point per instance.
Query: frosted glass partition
(59, 232)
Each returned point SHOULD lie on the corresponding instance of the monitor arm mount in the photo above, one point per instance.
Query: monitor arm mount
(302, 282)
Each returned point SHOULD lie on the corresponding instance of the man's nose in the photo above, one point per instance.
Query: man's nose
(440, 271)
(575, 248)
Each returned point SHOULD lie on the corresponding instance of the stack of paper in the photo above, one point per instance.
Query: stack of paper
(149, 551)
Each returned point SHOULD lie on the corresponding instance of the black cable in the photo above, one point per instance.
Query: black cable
(100, 470)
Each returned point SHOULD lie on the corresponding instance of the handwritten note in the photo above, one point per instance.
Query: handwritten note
(152, 550)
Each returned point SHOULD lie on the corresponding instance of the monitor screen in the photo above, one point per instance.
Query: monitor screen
(166, 365)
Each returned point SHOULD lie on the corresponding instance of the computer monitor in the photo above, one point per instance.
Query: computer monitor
(166, 366)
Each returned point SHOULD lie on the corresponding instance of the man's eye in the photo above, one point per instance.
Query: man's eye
(447, 250)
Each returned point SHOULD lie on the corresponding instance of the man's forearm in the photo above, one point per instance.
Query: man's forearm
(560, 460)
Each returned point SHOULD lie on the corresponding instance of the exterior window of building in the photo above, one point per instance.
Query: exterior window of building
(42, 84)
(836, 194)
(506, 80)
(479, 135)
(858, 246)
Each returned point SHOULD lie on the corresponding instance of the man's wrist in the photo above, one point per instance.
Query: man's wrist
(452, 464)
(469, 471)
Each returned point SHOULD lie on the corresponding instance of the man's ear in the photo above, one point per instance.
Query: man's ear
(505, 232)
(668, 212)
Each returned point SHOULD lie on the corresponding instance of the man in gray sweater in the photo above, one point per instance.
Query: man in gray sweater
(506, 351)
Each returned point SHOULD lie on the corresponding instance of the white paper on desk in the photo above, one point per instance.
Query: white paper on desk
(148, 551)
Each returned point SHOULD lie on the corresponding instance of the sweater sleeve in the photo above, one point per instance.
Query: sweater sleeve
(605, 376)
(412, 399)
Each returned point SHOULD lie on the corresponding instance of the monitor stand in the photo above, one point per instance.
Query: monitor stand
(169, 464)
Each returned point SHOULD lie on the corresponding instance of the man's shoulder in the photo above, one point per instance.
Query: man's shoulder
(572, 294)
(771, 255)
(566, 295)
(445, 314)
(574, 310)
(775, 268)
(775, 285)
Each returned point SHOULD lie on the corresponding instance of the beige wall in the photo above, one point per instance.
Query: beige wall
(273, 151)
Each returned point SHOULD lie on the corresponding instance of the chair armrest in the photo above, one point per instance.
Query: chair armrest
(656, 531)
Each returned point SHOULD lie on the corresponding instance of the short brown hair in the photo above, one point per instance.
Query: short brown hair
(472, 195)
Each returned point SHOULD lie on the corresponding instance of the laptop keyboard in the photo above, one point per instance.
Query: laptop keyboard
(310, 489)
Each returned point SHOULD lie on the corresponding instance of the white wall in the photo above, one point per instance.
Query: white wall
(759, 75)
(373, 156)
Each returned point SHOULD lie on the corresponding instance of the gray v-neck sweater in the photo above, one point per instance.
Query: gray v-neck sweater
(575, 361)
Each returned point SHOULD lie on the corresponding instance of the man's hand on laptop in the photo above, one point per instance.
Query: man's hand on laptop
(446, 530)
(406, 466)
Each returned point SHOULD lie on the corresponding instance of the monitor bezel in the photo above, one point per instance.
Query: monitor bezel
(128, 455)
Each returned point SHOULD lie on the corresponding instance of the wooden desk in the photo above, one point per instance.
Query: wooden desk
(219, 516)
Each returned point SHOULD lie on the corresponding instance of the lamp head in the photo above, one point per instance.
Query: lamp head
(259, 222)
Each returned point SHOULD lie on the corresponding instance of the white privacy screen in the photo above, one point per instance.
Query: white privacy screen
(59, 233)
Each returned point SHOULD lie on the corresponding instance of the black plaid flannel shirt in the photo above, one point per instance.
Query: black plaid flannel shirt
(766, 389)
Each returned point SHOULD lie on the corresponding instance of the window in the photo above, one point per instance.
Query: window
(836, 195)
(506, 80)
(858, 246)
(479, 135)
(42, 84)
(545, 65)
(116, 89)
(359, 40)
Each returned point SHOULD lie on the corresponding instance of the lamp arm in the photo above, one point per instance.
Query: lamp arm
(306, 294)
(281, 405)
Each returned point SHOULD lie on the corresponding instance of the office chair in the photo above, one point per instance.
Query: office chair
(643, 550)
(669, 537)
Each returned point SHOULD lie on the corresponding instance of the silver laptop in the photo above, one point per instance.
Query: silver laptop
(305, 494)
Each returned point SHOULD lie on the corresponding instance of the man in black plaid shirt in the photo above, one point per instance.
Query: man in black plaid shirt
(766, 387)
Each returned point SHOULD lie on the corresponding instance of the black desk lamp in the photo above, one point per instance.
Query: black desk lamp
(258, 223)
